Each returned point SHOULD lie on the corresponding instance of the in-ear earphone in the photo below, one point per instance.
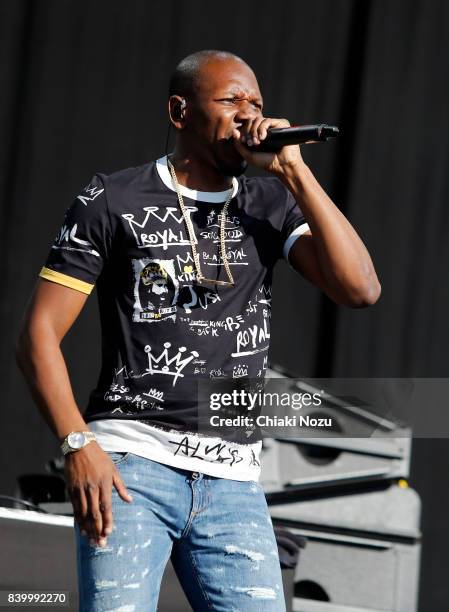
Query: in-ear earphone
(182, 107)
(179, 110)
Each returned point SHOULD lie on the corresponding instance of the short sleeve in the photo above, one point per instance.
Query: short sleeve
(83, 242)
(294, 224)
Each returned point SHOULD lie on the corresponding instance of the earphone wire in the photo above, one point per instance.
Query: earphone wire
(167, 140)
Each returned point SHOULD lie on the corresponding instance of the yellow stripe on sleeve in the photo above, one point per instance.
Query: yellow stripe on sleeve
(67, 281)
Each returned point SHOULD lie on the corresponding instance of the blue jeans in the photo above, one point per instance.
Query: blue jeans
(218, 533)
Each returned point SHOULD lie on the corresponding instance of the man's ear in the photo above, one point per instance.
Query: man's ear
(176, 111)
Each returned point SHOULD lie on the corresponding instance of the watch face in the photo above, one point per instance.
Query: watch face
(76, 440)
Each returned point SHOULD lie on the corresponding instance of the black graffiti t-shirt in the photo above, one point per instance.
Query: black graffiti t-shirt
(161, 330)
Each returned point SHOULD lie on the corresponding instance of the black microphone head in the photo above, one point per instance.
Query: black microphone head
(329, 131)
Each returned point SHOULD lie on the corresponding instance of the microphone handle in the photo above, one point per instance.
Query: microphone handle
(303, 134)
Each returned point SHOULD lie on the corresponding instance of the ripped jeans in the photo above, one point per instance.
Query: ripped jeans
(217, 531)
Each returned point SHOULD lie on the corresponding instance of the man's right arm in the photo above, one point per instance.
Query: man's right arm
(90, 474)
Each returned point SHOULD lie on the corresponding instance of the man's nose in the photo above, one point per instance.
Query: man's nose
(245, 112)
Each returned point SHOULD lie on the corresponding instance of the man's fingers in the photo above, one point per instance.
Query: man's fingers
(254, 134)
(264, 125)
(106, 509)
(81, 512)
(245, 130)
(95, 515)
(253, 131)
(77, 517)
(120, 486)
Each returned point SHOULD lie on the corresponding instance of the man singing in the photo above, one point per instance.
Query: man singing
(181, 251)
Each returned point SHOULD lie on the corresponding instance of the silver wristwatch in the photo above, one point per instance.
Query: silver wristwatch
(76, 440)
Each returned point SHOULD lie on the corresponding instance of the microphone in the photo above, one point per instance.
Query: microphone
(300, 134)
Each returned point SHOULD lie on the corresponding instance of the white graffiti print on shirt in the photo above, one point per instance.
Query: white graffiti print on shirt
(214, 220)
(199, 366)
(202, 327)
(119, 392)
(186, 271)
(217, 373)
(164, 237)
(235, 258)
(89, 194)
(240, 371)
(134, 402)
(265, 297)
(69, 241)
(252, 340)
(168, 362)
(233, 233)
(193, 296)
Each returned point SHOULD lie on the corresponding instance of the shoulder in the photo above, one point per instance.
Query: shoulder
(129, 188)
(270, 186)
(265, 196)
(127, 177)
(265, 191)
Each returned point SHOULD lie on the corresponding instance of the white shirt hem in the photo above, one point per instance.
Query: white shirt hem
(119, 441)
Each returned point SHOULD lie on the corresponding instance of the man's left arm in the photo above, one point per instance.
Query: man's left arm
(331, 255)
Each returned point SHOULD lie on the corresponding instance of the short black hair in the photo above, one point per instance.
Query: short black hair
(184, 78)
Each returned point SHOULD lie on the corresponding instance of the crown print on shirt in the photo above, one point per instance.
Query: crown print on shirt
(93, 192)
(163, 363)
(159, 238)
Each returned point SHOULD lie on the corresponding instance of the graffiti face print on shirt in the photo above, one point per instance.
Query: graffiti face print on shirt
(156, 290)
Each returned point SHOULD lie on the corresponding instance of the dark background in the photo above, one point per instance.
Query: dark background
(84, 89)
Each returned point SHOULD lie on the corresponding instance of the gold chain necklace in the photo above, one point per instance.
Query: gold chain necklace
(192, 238)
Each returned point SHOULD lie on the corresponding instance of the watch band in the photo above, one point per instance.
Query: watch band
(65, 446)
